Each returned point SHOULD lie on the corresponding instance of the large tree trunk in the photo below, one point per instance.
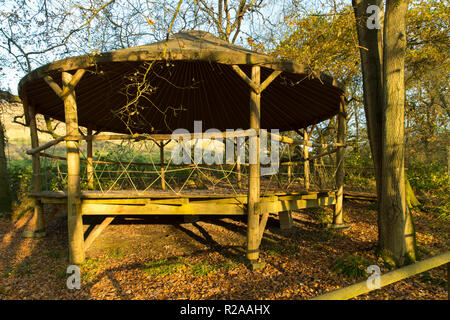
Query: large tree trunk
(396, 235)
(370, 41)
(382, 60)
(5, 192)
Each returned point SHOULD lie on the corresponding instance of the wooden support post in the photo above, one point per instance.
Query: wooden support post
(98, 229)
(90, 164)
(262, 225)
(338, 210)
(37, 223)
(75, 222)
(286, 221)
(289, 172)
(254, 172)
(161, 161)
(238, 166)
(306, 156)
(253, 214)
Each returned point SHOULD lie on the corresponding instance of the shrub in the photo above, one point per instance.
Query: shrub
(433, 179)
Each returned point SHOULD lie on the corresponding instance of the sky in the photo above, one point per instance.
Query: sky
(268, 24)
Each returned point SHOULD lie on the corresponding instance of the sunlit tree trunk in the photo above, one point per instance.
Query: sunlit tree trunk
(382, 60)
(396, 237)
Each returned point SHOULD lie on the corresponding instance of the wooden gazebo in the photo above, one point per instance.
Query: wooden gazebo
(192, 76)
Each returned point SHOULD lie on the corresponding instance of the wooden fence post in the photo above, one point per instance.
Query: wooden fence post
(238, 165)
(306, 156)
(338, 210)
(289, 172)
(161, 161)
(37, 223)
(89, 164)
(254, 172)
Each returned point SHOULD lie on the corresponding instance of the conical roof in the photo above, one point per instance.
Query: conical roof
(166, 85)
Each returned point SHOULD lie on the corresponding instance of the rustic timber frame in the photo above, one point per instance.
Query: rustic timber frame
(257, 207)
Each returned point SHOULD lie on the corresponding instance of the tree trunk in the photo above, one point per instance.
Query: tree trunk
(370, 41)
(396, 234)
(382, 60)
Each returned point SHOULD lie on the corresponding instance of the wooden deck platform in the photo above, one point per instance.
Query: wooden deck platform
(188, 202)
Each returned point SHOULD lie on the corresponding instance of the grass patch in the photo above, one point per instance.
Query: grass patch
(164, 267)
(203, 269)
(116, 253)
(352, 266)
(230, 265)
(89, 270)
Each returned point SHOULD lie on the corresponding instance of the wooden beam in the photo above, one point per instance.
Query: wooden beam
(338, 210)
(256, 86)
(191, 208)
(98, 229)
(45, 146)
(70, 87)
(289, 172)
(251, 82)
(90, 164)
(306, 164)
(161, 161)
(285, 218)
(38, 224)
(311, 132)
(53, 85)
(75, 222)
(387, 278)
(67, 88)
(262, 225)
(158, 137)
(254, 172)
(238, 165)
(269, 80)
(296, 204)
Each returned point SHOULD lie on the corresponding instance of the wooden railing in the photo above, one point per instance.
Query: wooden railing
(390, 277)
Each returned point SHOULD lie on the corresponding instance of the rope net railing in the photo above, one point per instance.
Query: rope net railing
(138, 165)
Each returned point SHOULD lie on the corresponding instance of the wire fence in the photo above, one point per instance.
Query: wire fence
(136, 166)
